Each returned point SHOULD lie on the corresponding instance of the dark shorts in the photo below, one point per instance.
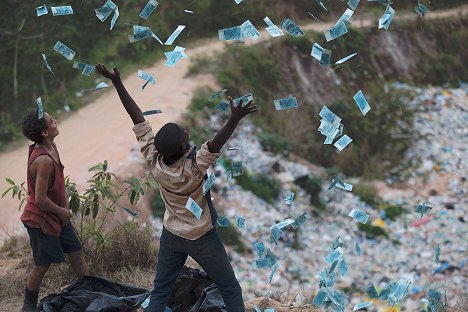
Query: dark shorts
(49, 249)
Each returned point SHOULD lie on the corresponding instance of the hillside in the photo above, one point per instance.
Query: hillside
(285, 67)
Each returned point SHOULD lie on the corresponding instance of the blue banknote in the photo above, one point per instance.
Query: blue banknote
(237, 169)
(357, 248)
(423, 209)
(361, 103)
(437, 254)
(301, 219)
(152, 112)
(216, 94)
(329, 116)
(344, 59)
(223, 106)
(317, 51)
(240, 222)
(342, 142)
(336, 254)
(421, 9)
(149, 9)
(274, 31)
(231, 33)
(208, 183)
(40, 108)
(223, 222)
(286, 103)
(65, 51)
(326, 57)
(147, 77)
(62, 10)
(268, 21)
(336, 31)
(289, 199)
(245, 99)
(353, 4)
(270, 277)
(387, 17)
(359, 215)
(106, 10)
(249, 30)
(46, 64)
(343, 266)
(174, 35)
(345, 17)
(194, 208)
(362, 305)
(42, 10)
(292, 28)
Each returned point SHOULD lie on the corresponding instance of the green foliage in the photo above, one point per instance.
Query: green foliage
(372, 231)
(393, 212)
(274, 143)
(367, 193)
(313, 186)
(91, 211)
(262, 185)
(231, 237)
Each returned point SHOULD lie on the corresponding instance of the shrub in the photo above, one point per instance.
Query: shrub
(127, 245)
(372, 231)
(313, 186)
(393, 212)
(366, 193)
(261, 185)
(274, 143)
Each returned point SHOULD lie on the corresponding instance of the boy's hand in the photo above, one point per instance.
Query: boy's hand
(114, 76)
(238, 112)
(64, 216)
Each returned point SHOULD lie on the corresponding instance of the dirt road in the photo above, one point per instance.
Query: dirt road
(102, 130)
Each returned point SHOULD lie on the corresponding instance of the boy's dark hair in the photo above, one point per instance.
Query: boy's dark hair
(32, 127)
(168, 139)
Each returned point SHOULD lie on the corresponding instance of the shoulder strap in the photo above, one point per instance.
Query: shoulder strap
(213, 213)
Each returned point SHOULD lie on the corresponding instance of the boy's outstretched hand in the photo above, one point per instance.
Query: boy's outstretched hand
(238, 112)
(114, 75)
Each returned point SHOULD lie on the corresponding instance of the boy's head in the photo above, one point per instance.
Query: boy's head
(172, 140)
(38, 129)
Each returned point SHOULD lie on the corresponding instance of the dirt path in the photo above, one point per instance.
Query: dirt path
(102, 130)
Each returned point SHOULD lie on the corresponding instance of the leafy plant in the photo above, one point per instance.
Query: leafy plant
(91, 209)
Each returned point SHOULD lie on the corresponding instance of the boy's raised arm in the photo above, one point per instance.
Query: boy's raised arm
(237, 113)
(130, 106)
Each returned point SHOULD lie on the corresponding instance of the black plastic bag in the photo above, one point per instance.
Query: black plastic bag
(95, 294)
(194, 291)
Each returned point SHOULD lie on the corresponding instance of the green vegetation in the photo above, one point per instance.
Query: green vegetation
(285, 67)
(262, 185)
(393, 212)
(274, 143)
(108, 247)
(231, 237)
(372, 231)
(312, 185)
(367, 193)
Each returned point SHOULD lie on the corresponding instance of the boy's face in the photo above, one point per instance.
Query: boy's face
(52, 129)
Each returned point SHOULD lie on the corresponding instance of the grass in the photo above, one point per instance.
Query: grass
(262, 185)
(313, 186)
(367, 193)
